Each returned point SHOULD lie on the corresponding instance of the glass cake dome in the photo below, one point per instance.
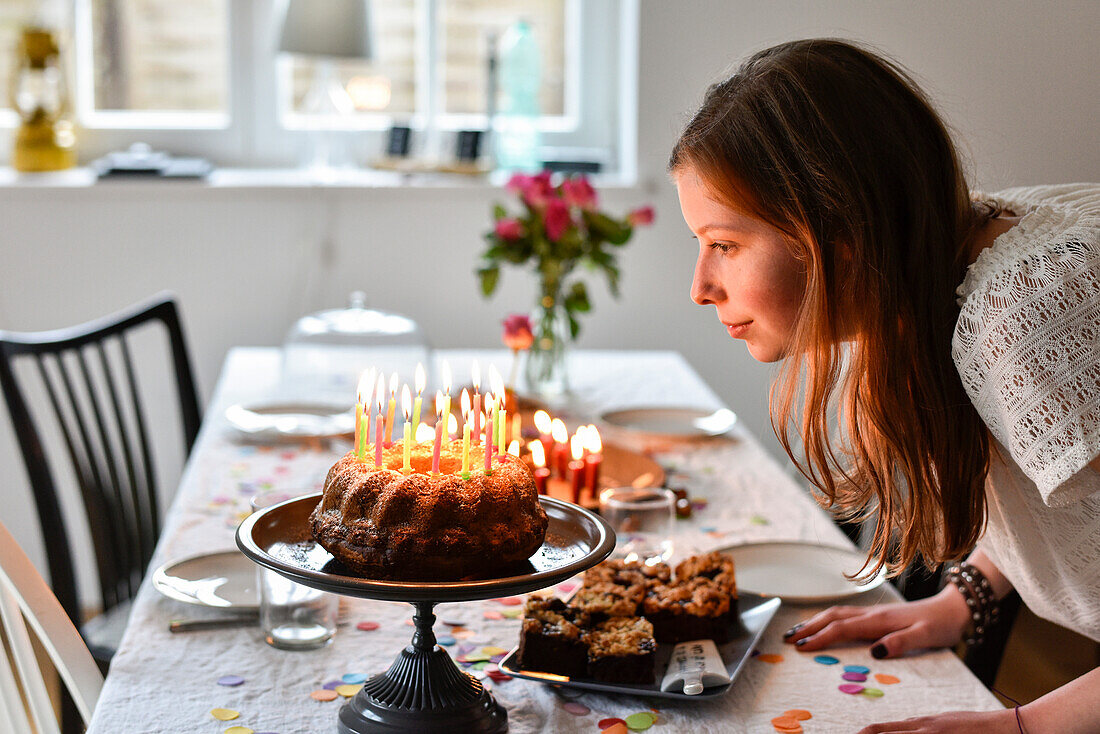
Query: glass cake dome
(326, 352)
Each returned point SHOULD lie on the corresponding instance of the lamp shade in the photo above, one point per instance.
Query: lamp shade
(335, 28)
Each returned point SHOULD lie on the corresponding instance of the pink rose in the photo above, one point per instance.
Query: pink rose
(578, 192)
(517, 183)
(539, 191)
(557, 219)
(641, 216)
(509, 229)
(517, 332)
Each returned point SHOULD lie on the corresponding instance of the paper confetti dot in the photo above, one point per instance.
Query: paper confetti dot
(575, 708)
(640, 721)
(511, 601)
(850, 688)
(367, 626)
(857, 669)
(476, 657)
(800, 714)
(446, 641)
(825, 659)
(604, 723)
(498, 676)
(619, 728)
(331, 685)
(513, 613)
(230, 680)
(238, 730)
(872, 692)
(453, 623)
(224, 714)
(324, 694)
(786, 724)
(353, 678)
(886, 679)
(855, 677)
(493, 614)
(770, 658)
(462, 634)
(565, 589)
(759, 520)
(348, 690)
(493, 650)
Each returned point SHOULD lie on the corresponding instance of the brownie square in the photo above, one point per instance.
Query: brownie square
(633, 573)
(695, 610)
(715, 566)
(552, 638)
(605, 599)
(622, 650)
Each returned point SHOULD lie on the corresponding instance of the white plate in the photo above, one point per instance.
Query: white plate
(292, 420)
(675, 422)
(226, 580)
(800, 573)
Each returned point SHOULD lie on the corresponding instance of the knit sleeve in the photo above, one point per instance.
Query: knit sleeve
(1027, 346)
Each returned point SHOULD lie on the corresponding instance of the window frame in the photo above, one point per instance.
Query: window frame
(251, 134)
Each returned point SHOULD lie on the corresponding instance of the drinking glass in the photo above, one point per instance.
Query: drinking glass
(292, 616)
(643, 519)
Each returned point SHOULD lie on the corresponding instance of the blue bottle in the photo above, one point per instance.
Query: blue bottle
(517, 136)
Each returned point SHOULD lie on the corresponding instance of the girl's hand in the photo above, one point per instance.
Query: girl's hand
(962, 722)
(896, 629)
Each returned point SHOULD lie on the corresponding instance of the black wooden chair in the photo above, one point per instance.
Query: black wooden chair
(78, 412)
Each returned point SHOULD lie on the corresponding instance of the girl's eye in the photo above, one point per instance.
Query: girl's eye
(722, 247)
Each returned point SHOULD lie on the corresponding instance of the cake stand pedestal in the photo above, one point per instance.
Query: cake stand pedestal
(423, 690)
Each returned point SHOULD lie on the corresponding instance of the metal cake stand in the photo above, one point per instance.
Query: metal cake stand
(423, 690)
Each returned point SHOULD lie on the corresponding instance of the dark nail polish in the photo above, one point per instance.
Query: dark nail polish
(800, 643)
(879, 651)
(792, 630)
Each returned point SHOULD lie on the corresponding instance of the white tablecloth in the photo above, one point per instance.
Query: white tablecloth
(160, 682)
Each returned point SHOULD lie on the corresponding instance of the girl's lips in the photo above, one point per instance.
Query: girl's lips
(737, 331)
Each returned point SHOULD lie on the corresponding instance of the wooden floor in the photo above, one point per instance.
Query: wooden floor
(1041, 656)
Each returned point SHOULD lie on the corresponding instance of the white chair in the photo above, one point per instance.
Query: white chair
(25, 599)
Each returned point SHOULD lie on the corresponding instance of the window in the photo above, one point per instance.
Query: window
(203, 77)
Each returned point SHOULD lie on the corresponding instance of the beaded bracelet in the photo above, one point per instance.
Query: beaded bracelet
(978, 594)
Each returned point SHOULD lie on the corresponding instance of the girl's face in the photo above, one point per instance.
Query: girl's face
(746, 270)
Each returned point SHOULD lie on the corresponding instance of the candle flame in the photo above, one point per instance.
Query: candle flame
(366, 382)
(421, 379)
(380, 392)
(438, 405)
(446, 378)
(543, 422)
(424, 432)
(475, 376)
(576, 446)
(538, 454)
(393, 386)
(496, 382)
(594, 445)
(452, 424)
(513, 448)
(559, 431)
(406, 402)
(464, 401)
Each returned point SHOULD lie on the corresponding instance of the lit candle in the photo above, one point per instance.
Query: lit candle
(465, 405)
(538, 458)
(380, 393)
(424, 432)
(497, 383)
(516, 428)
(392, 409)
(366, 382)
(406, 438)
(592, 461)
(513, 448)
(576, 466)
(543, 425)
(560, 457)
(447, 399)
(491, 405)
(438, 433)
(421, 382)
(475, 377)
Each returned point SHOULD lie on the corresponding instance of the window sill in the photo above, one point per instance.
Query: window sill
(277, 179)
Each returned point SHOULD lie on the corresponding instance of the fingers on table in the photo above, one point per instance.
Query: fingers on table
(842, 624)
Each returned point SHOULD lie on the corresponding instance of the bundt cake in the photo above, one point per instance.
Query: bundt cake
(387, 524)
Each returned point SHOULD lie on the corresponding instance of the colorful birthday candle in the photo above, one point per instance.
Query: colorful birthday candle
(438, 432)
(489, 435)
(380, 395)
(465, 405)
(475, 377)
(421, 382)
(447, 400)
(392, 409)
(366, 383)
(501, 415)
(406, 439)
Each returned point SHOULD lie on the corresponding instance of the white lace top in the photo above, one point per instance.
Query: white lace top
(1027, 345)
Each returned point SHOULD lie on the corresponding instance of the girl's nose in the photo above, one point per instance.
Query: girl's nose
(705, 288)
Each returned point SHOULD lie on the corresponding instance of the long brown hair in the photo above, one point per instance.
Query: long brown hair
(839, 149)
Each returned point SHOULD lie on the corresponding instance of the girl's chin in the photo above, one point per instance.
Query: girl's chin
(762, 353)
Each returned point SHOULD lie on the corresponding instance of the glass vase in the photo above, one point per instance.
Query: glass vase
(546, 369)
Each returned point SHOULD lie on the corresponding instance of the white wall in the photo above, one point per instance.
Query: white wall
(1017, 80)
